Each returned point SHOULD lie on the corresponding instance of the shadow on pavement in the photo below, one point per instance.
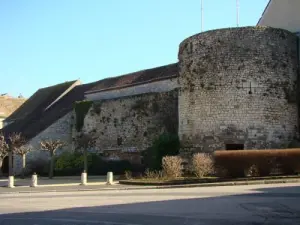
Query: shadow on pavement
(276, 206)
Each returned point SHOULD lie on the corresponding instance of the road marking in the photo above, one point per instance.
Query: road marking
(71, 220)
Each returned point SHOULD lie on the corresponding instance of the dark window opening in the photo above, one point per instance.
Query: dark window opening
(5, 165)
(119, 141)
(234, 147)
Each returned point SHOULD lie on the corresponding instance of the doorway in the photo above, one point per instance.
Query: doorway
(4, 167)
(234, 147)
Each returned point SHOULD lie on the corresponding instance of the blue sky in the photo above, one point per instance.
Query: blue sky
(45, 42)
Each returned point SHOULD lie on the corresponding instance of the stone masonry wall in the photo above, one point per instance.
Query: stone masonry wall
(130, 124)
(61, 129)
(238, 86)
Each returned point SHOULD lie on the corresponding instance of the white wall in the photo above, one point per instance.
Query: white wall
(156, 86)
(283, 14)
(1, 122)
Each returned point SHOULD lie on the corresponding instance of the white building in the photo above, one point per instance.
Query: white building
(283, 14)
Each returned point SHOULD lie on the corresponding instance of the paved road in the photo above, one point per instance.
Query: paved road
(255, 205)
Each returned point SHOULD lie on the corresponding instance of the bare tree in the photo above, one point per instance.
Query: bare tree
(22, 151)
(85, 142)
(51, 146)
(3, 150)
(16, 141)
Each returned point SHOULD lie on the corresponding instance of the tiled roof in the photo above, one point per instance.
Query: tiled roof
(33, 109)
(33, 124)
(144, 76)
(47, 105)
(40, 100)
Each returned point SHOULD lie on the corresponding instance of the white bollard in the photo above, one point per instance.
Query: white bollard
(109, 178)
(84, 178)
(34, 180)
(11, 182)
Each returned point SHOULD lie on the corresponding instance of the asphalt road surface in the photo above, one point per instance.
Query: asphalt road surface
(255, 205)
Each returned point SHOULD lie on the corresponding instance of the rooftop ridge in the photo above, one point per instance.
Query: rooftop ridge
(136, 78)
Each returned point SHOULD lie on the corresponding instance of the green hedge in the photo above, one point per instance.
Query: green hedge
(165, 145)
(68, 164)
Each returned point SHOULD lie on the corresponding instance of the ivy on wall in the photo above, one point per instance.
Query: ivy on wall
(81, 109)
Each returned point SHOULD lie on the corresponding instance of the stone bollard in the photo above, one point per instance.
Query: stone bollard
(109, 178)
(33, 180)
(11, 182)
(84, 178)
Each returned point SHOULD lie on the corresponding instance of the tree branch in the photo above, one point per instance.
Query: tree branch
(16, 141)
(51, 145)
(3, 146)
(85, 141)
(23, 150)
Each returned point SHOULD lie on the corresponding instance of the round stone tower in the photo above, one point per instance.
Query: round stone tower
(238, 89)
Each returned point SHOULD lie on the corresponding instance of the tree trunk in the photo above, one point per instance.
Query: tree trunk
(51, 165)
(10, 163)
(85, 160)
(1, 162)
(23, 165)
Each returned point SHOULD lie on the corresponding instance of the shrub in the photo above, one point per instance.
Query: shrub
(153, 174)
(220, 171)
(202, 164)
(117, 167)
(172, 166)
(69, 163)
(165, 144)
(230, 162)
(38, 165)
(128, 175)
(252, 171)
(289, 161)
(69, 160)
(239, 162)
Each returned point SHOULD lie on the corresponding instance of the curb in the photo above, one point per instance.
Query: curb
(208, 181)
(216, 184)
(57, 185)
(238, 183)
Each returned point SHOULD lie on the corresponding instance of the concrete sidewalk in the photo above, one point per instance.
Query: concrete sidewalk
(56, 181)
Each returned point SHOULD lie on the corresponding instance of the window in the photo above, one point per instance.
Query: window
(234, 147)
(119, 141)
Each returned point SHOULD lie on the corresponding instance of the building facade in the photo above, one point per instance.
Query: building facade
(234, 88)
